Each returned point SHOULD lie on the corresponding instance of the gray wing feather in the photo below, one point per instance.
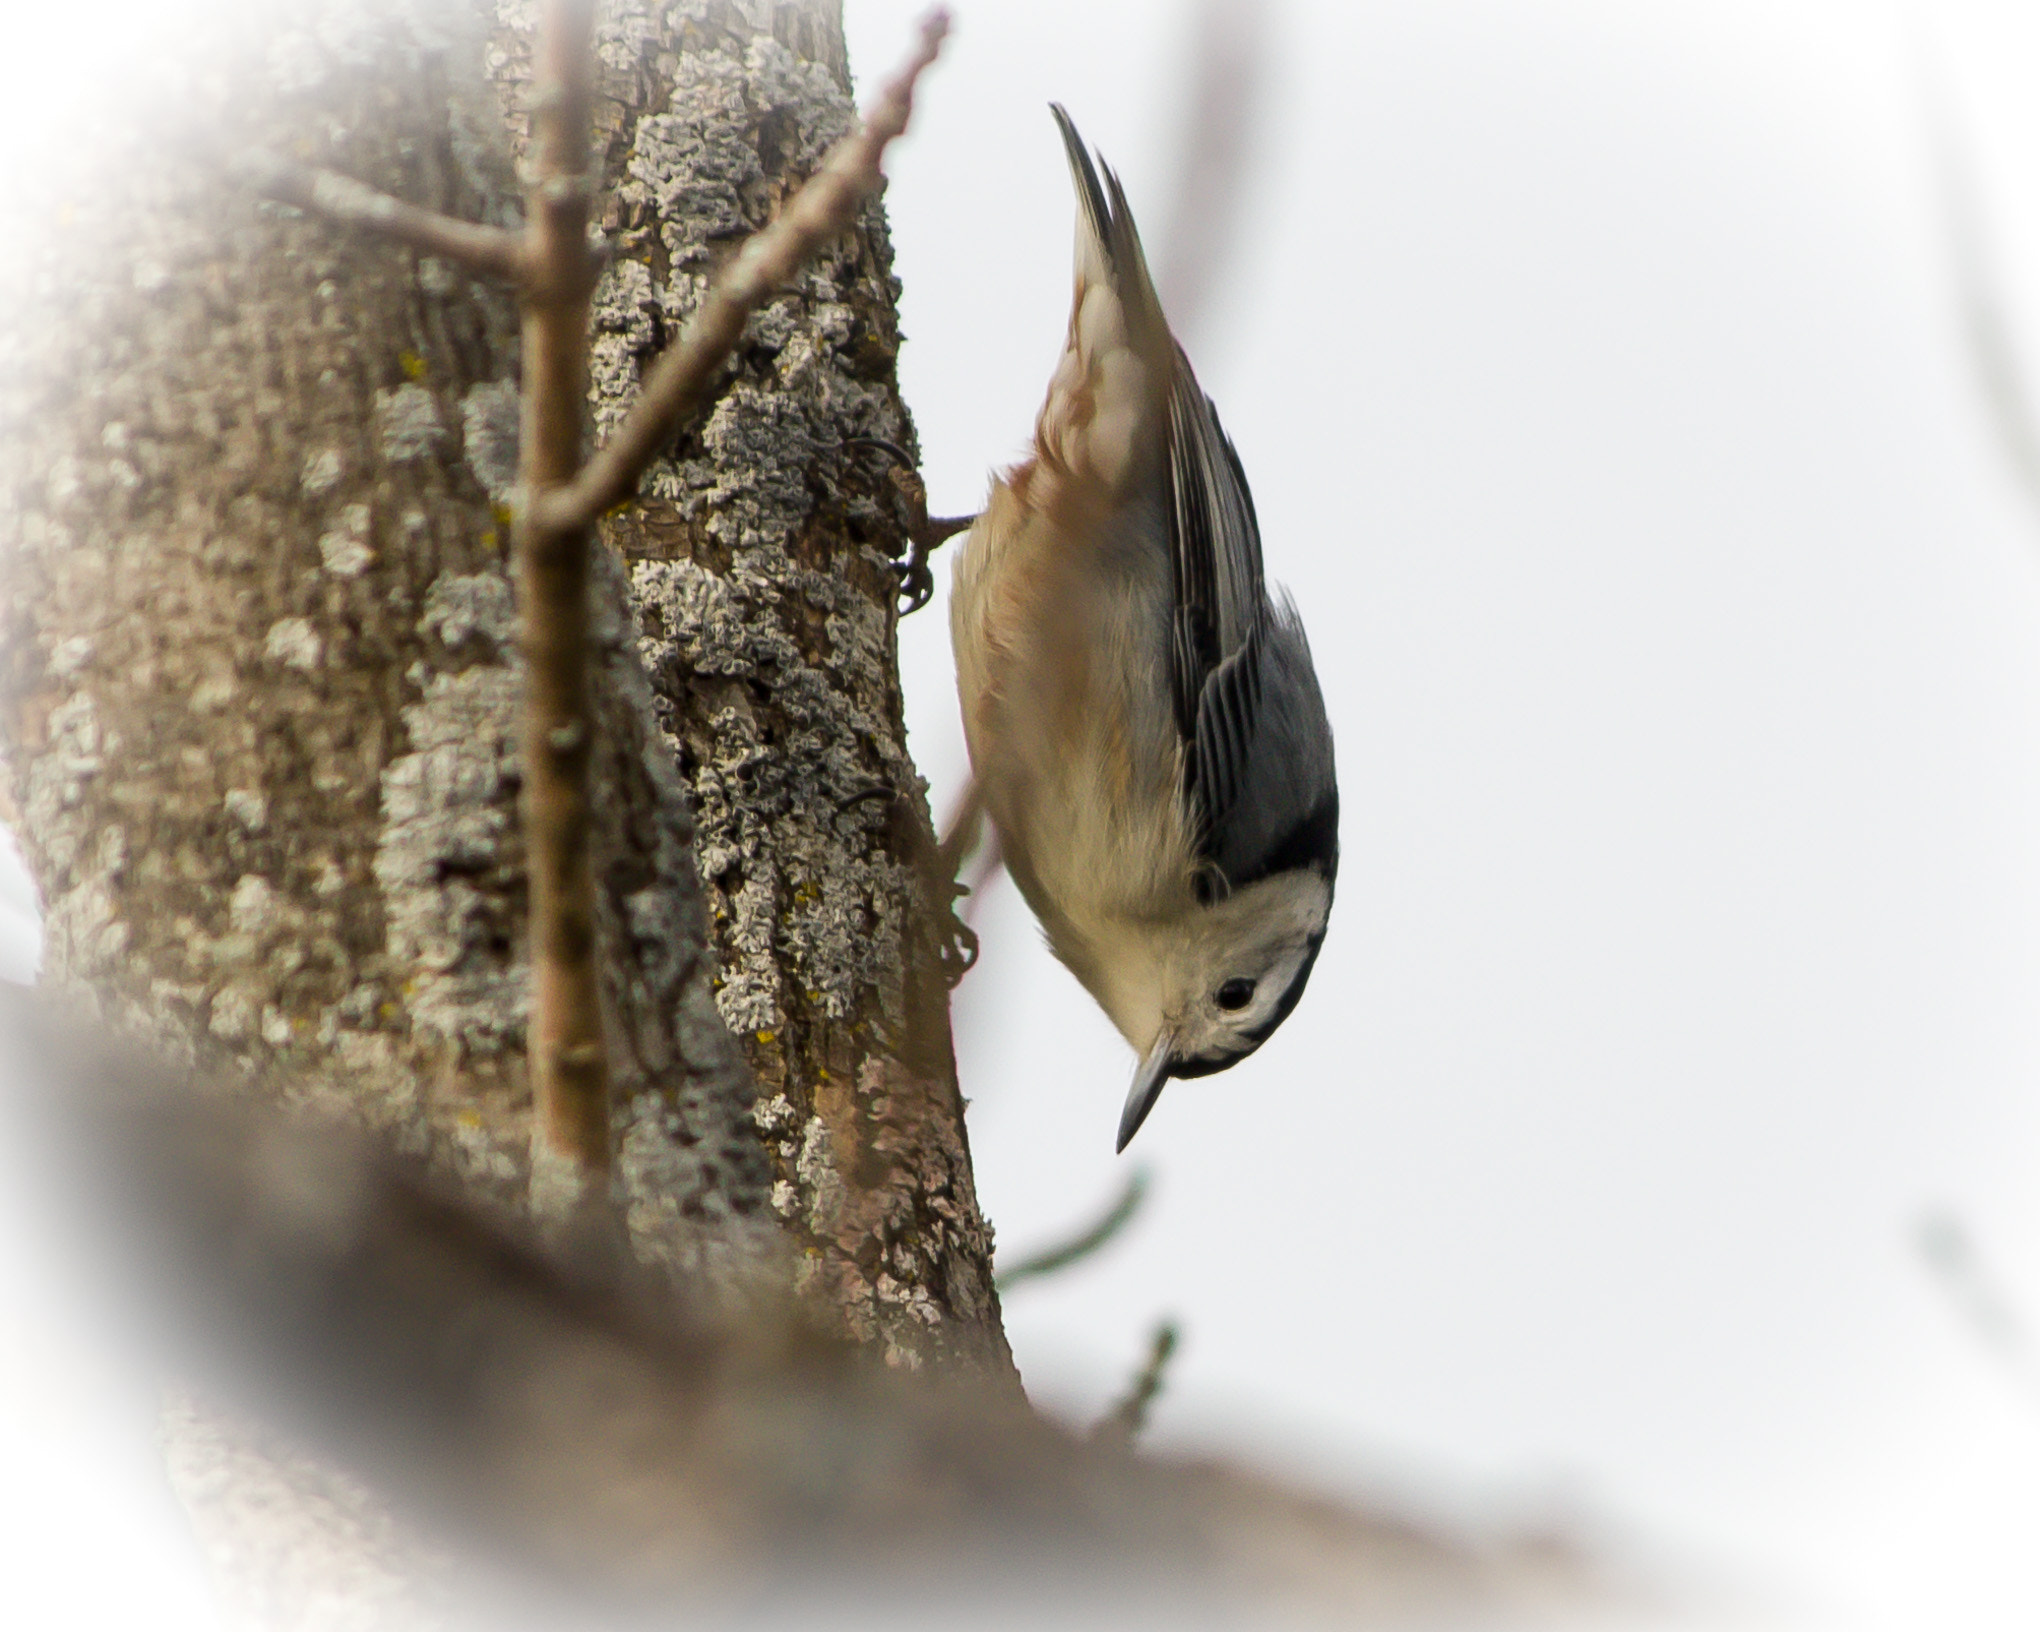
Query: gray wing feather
(1258, 748)
(1286, 813)
(1221, 609)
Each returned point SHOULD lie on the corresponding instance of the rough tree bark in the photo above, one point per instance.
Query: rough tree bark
(258, 709)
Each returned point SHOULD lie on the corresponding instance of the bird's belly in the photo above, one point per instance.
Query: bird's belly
(1063, 682)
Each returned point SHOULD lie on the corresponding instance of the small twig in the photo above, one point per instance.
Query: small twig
(680, 379)
(1126, 1419)
(486, 251)
(569, 1066)
(1114, 1219)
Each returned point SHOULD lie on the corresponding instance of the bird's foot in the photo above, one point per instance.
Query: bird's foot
(925, 533)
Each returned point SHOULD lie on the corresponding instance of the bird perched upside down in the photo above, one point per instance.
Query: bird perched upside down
(1144, 722)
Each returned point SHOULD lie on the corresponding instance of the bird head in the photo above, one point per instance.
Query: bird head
(1218, 981)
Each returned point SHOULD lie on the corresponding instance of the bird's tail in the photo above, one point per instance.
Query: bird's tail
(1111, 389)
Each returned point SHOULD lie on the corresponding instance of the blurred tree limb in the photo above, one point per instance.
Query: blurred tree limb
(566, 1419)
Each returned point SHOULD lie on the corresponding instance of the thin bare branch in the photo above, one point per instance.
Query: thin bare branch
(680, 380)
(1095, 1236)
(569, 1066)
(1126, 1419)
(486, 251)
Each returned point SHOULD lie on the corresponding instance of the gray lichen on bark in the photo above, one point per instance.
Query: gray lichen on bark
(760, 563)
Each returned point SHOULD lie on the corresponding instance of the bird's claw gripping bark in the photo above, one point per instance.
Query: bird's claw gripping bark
(959, 949)
(925, 534)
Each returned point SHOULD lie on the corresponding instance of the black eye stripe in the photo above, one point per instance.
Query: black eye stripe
(1261, 1033)
(1235, 994)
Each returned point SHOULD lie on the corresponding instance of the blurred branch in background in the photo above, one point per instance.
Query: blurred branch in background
(1082, 1245)
(1950, 1253)
(1988, 328)
(1126, 1419)
(1986, 317)
(1202, 228)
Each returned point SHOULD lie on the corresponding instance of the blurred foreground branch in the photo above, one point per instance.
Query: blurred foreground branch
(487, 251)
(558, 1412)
(678, 383)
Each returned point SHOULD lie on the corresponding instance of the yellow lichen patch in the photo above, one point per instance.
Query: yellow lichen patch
(412, 364)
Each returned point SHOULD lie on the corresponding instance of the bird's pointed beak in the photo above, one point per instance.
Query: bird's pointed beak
(1146, 1089)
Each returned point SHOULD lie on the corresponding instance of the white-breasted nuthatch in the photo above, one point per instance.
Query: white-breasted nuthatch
(1144, 722)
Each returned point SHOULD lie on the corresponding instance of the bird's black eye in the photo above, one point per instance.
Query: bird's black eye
(1236, 994)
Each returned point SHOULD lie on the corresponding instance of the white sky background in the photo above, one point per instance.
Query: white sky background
(1597, 371)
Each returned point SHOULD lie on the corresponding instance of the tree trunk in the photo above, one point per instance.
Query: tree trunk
(260, 668)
